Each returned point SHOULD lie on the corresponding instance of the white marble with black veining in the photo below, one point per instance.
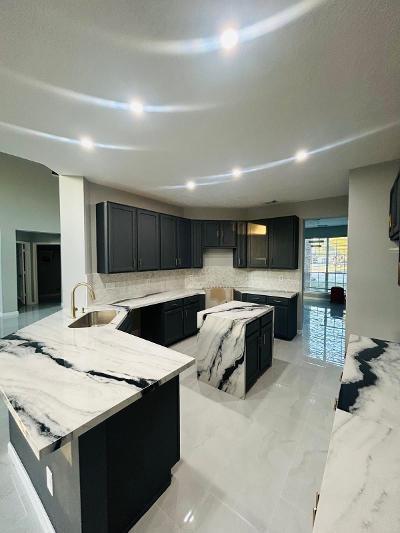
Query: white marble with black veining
(278, 294)
(220, 351)
(157, 298)
(361, 489)
(59, 382)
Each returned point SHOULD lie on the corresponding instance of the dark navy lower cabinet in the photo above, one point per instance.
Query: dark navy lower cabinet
(285, 317)
(172, 321)
(259, 346)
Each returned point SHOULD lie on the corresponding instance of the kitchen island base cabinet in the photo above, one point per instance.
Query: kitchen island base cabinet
(106, 479)
(259, 346)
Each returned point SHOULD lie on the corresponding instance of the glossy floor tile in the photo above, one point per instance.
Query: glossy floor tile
(27, 315)
(249, 465)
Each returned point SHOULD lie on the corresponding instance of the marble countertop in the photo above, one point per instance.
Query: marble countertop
(360, 489)
(157, 298)
(59, 382)
(278, 294)
(234, 311)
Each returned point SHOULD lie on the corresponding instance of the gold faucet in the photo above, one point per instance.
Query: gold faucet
(90, 291)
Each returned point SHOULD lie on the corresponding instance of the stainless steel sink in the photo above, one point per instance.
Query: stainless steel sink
(94, 319)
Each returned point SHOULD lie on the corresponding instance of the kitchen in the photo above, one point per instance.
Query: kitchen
(217, 362)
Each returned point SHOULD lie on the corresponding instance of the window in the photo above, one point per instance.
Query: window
(325, 264)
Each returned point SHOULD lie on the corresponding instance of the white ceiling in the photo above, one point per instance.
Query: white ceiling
(330, 75)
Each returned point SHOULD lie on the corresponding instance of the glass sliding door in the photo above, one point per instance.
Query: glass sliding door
(325, 264)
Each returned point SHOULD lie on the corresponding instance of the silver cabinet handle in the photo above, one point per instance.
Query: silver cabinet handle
(140, 262)
(176, 261)
(264, 338)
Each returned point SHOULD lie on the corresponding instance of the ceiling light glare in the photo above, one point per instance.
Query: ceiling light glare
(229, 39)
(301, 155)
(87, 143)
(237, 172)
(190, 185)
(137, 107)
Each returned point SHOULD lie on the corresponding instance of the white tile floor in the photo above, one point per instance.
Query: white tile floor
(247, 466)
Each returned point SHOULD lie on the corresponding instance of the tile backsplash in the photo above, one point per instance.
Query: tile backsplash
(218, 271)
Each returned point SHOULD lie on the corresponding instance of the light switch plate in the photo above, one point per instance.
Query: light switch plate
(49, 480)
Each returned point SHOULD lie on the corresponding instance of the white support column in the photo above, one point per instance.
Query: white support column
(73, 241)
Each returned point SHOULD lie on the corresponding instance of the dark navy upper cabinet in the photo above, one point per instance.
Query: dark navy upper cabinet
(168, 242)
(219, 234)
(197, 244)
(257, 245)
(394, 214)
(148, 224)
(240, 252)
(211, 234)
(228, 233)
(283, 242)
(184, 251)
(116, 236)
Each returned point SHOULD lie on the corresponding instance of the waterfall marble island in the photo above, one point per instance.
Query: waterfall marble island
(234, 345)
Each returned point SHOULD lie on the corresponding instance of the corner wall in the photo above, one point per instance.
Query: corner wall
(373, 300)
(29, 202)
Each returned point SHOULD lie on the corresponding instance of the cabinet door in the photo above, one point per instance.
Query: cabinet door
(281, 318)
(257, 245)
(252, 364)
(184, 243)
(121, 238)
(197, 244)
(283, 242)
(168, 242)
(394, 215)
(227, 234)
(266, 341)
(173, 326)
(190, 319)
(148, 240)
(211, 234)
(240, 252)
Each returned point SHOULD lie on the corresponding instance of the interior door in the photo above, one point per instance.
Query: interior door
(168, 238)
(148, 240)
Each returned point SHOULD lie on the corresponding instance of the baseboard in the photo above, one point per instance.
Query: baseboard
(12, 314)
(30, 489)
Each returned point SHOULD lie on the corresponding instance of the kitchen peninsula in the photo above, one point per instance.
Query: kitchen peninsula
(234, 345)
(94, 418)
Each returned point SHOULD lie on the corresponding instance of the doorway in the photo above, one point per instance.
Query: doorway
(48, 264)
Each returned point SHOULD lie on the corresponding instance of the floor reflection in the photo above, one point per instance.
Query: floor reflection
(324, 330)
(27, 315)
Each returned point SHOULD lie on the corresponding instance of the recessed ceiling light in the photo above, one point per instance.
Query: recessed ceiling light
(87, 143)
(237, 172)
(137, 107)
(191, 185)
(229, 39)
(301, 155)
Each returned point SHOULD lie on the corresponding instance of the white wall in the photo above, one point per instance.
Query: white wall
(373, 299)
(74, 255)
(29, 202)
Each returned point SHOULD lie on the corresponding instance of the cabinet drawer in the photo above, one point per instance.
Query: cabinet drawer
(266, 319)
(272, 300)
(256, 298)
(191, 299)
(173, 304)
(252, 327)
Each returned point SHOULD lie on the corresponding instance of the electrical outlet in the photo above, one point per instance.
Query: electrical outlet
(281, 278)
(49, 480)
